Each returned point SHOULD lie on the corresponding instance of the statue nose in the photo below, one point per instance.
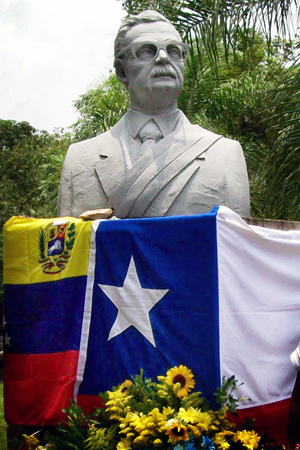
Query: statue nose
(162, 56)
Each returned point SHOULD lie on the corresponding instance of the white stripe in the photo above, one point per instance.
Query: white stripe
(259, 306)
(85, 330)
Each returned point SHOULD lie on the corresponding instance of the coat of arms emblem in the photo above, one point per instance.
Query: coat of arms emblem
(56, 242)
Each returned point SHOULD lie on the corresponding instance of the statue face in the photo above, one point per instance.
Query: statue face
(153, 67)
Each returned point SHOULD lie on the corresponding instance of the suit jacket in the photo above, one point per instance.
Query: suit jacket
(189, 171)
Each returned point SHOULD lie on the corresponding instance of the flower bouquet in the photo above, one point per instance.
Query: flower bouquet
(141, 414)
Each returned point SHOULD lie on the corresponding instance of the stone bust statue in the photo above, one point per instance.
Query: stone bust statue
(153, 162)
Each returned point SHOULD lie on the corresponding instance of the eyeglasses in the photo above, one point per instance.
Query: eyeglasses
(148, 51)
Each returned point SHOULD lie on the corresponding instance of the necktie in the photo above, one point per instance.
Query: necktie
(149, 134)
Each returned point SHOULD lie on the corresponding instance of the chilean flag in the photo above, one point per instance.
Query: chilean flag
(206, 291)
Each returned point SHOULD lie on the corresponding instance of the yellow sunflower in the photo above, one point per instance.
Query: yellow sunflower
(249, 439)
(189, 415)
(176, 431)
(124, 386)
(124, 444)
(221, 439)
(184, 377)
(194, 431)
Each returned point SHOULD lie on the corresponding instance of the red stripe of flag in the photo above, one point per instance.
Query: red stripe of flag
(37, 387)
(270, 419)
(89, 402)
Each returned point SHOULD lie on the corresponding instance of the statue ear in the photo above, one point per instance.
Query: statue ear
(119, 66)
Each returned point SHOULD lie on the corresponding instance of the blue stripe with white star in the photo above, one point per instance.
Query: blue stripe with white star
(177, 257)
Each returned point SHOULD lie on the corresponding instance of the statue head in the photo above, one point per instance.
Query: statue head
(149, 60)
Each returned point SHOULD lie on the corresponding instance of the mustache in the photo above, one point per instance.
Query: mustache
(163, 71)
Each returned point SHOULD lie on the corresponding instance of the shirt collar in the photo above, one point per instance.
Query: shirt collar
(165, 122)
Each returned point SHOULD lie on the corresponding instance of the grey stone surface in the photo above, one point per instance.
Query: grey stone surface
(153, 162)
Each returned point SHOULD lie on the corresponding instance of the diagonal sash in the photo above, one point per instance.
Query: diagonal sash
(182, 163)
(141, 165)
(166, 200)
(156, 168)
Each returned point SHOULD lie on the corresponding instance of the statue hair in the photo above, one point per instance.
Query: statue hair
(147, 16)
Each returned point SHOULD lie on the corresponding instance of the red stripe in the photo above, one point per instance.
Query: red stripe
(37, 387)
(270, 419)
(89, 402)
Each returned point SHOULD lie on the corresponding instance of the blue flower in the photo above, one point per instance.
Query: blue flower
(207, 443)
(189, 445)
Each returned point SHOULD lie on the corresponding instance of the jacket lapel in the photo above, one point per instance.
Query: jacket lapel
(111, 167)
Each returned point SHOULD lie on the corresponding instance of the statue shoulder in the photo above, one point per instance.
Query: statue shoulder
(222, 143)
(89, 149)
(88, 144)
(231, 146)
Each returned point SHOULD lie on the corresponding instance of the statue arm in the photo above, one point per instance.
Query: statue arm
(65, 204)
(237, 179)
(80, 188)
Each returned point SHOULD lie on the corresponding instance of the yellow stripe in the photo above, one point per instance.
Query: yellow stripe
(26, 246)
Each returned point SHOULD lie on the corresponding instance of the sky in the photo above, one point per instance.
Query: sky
(51, 52)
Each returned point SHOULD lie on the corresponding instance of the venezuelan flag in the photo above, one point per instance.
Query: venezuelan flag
(45, 273)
